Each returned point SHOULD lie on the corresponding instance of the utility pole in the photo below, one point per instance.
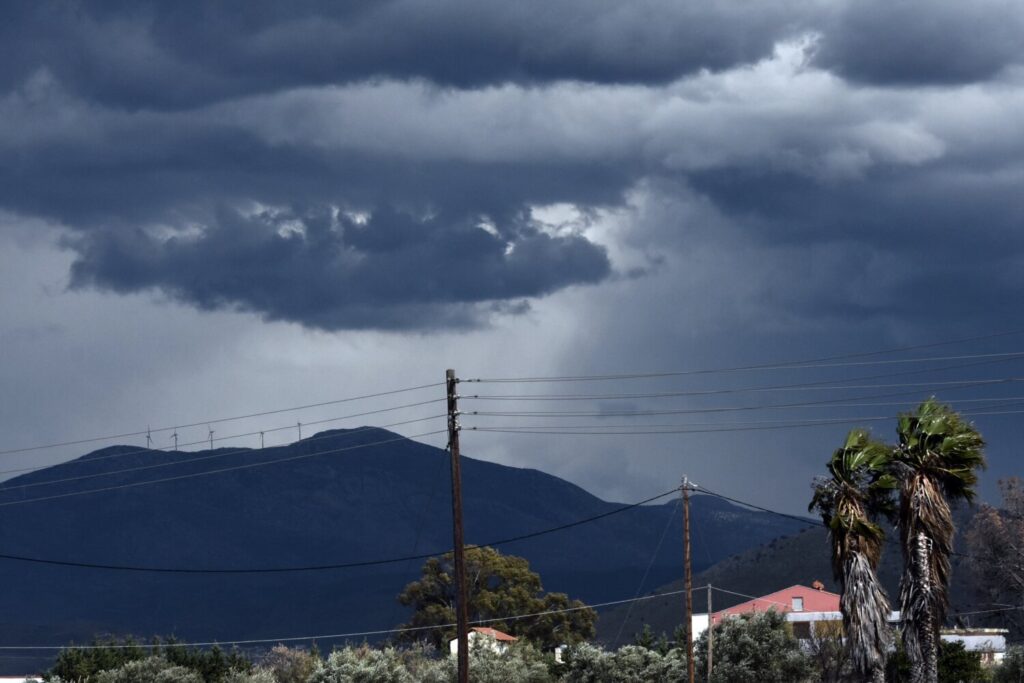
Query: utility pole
(711, 635)
(211, 436)
(689, 581)
(299, 424)
(175, 437)
(149, 438)
(461, 611)
(261, 440)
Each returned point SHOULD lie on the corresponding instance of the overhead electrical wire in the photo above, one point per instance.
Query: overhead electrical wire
(806, 521)
(230, 437)
(359, 634)
(213, 456)
(596, 430)
(344, 565)
(743, 368)
(217, 471)
(200, 423)
(714, 392)
(722, 409)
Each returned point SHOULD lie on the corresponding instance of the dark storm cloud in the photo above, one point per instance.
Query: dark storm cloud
(390, 270)
(160, 54)
(923, 42)
(379, 164)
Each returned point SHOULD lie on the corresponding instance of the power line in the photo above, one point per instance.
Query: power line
(201, 423)
(217, 471)
(240, 451)
(1010, 355)
(324, 567)
(555, 428)
(358, 634)
(742, 368)
(951, 385)
(803, 520)
(596, 430)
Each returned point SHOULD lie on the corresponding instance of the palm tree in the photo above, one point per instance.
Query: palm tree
(857, 492)
(936, 461)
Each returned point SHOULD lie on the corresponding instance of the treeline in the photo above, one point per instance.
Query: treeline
(756, 647)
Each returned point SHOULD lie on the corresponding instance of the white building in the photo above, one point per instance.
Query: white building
(490, 638)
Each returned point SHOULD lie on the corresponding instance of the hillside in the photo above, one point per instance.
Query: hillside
(801, 557)
(383, 501)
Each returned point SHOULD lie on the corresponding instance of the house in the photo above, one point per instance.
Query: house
(808, 609)
(803, 607)
(990, 642)
(480, 636)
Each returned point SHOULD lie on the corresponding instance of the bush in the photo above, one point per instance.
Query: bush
(290, 665)
(630, 664)
(754, 648)
(83, 665)
(148, 670)
(1011, 669)
(254, 676)
(362, 665)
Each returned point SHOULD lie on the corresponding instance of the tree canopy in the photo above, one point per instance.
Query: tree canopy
(499, 586)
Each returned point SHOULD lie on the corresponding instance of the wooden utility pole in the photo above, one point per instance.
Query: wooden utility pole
(689, 580)
(711, 635)
(461, 611)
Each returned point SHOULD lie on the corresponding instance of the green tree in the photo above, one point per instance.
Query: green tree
(753, 648)
(84, 664)
(1011, 669)
(849, 502)
(958, 665)
(936, 460)
(499, 586)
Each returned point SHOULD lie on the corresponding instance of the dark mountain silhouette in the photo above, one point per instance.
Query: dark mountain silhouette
(368, 503)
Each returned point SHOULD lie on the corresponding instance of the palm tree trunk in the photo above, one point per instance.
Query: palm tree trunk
(926, 628)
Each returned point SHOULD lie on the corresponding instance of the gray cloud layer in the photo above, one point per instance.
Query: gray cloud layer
(385, 165)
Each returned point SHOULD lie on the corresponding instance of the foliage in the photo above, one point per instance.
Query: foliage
(1011, 669)
(996, 540)
(290, 665)
(849, 502)
(936, 458)
(633, 663)
(85, 664)
(362, 665)
(254, 676)
(753, 648)
(828, 652)
(957, 664)
(148, 670)
(499, 585)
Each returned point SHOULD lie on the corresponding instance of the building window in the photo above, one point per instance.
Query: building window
(798, 604)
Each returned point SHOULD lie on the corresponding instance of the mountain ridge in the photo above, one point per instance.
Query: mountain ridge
(321, 505)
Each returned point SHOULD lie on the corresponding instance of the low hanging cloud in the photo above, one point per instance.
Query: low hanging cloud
(326, 270)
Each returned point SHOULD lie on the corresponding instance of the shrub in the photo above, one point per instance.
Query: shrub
(290, 665)
(148, 670)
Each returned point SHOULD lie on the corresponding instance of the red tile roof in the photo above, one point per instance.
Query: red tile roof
(782, 601)
(494, 633)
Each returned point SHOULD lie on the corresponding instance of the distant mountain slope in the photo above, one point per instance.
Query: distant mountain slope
(799, 558)
(383, 501)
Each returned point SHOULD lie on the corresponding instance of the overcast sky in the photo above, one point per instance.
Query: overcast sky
(211, 209)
